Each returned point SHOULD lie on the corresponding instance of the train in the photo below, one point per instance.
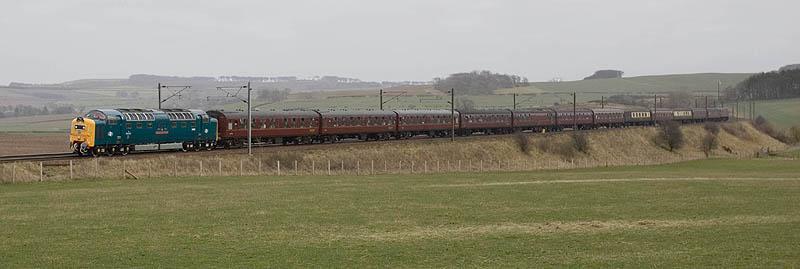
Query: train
(119, 131)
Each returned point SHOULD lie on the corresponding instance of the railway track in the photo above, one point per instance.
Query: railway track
(260, 148)
(38, 157)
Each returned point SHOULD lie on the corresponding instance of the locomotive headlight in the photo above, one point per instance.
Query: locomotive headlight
(110, 133)
(205, 131)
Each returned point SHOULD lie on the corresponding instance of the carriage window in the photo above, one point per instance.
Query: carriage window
(128, 125)
(175, 125)
(138, 125)
(194, 125)
(183, 125)
(149, 125)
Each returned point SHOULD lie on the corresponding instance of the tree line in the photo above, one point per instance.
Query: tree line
(769, 85)
(478, 82)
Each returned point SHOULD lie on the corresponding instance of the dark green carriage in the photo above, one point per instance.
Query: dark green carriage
(121, 130)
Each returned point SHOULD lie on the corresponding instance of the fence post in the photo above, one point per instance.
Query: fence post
(201, 168)
(329, 167)
(342, 167)
(449, 167)
(372, 167)
(13, 172)
(313, 168)
(400, 166)
(149, 171)
(425, 166)
(279, 167)
(385, 167)
(412, 167)
(358, 167)
(295, 167)
(219, 166)
(70, 169)
(260, 171)
(96, 168)
(459, 165)
(438, 168)
(241, 167)
(124, 167)
(481, 168)
(41, 172)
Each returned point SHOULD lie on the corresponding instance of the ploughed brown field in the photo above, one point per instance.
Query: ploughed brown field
(32, 143)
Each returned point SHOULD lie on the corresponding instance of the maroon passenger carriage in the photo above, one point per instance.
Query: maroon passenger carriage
(433, 123)
(568, 118)
(536, 120)
(485, 121)
(275, 127)
(362, 125)
(608, 117)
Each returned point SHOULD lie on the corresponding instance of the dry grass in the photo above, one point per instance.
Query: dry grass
(580, 227)
(613, 147)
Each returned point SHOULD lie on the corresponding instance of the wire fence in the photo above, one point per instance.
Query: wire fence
(174, 166)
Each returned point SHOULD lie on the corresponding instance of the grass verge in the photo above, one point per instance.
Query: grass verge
(725, 213)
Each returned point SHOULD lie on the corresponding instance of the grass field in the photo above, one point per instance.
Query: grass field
(58, 123)
(722, 213)
(656, 83)
(783, 113)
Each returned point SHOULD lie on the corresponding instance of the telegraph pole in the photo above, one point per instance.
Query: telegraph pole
(161, 101)
(249, 122)
(719, 86)
(381, 98)
(229, 93)
(453, 114)
(515, 101)
(602, 101)
(159, 96)
(655, 102)
(574, 112)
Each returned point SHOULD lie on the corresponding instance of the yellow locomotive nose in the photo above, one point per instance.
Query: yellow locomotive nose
(82, 132)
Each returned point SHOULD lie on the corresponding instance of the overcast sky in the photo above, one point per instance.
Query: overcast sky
(60, 40)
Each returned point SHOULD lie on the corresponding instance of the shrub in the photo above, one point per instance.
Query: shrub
(523, 143)
(710, 142)
(761, 124)
(670, 135)
(794, 134)
(580, 142)
(564, 149)
(712, 128)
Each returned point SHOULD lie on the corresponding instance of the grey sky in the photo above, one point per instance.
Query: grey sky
(60, 40)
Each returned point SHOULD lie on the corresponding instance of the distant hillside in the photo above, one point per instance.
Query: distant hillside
(659, 83)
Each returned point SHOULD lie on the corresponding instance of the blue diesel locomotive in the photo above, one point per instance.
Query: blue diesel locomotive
(119, 131)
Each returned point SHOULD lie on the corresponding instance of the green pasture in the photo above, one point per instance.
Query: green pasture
(783, 113)
(710, 213)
